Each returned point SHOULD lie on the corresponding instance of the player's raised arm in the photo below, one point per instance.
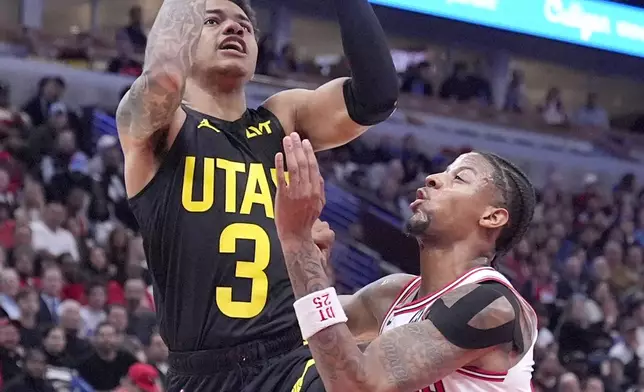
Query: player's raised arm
(339, 111)
(462, 326)
(155, 96)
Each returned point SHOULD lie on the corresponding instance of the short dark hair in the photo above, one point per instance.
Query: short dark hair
(517, 196)
(95, 284)
(248, 10)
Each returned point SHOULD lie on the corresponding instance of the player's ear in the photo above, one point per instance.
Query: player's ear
(494, 217)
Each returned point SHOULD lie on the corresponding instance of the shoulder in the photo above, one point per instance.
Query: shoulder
(381, 294)
(390, 285)
(490, 303)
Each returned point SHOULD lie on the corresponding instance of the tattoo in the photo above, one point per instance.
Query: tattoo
(406, 358)
(304, 263)
(172, 45)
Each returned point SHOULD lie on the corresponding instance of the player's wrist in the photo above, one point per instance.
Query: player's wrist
(319, 310)
(295, 241)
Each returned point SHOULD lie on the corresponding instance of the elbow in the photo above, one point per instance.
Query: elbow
(163, 79)
(371, 108)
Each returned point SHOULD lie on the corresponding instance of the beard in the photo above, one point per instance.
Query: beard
(417, 224)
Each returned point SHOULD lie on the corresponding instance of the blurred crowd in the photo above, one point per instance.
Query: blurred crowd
(580, 264)
(76, 310)
(421, 78)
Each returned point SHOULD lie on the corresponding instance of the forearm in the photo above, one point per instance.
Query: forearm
(172, 45)
(374, 83)
(337, 357)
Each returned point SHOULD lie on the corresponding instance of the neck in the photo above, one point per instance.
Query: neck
(107, 355)
(441, 266)
(28, 321)
(223, 100)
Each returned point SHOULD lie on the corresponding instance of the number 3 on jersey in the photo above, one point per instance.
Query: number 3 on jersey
(253, 270)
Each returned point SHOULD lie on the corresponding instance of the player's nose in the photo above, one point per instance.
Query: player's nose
(233, 28)
(433, 181)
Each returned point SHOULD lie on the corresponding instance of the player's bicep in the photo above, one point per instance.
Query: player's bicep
(419, 354)
(367, 307)
(319, 115)
(150, 105)
(361, 321)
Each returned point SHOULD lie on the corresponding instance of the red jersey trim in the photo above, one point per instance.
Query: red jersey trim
(417, 304)
(404, 292)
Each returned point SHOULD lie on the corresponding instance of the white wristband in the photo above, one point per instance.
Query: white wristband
(318, 311)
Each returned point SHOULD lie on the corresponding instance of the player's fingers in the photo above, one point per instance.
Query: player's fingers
(291, 164)
(279, 168)
(322, 192)
(312, 167)
(302, 162)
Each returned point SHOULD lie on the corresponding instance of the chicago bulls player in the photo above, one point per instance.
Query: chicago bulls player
(460, 326)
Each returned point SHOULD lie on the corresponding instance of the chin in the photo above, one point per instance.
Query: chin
(417, 224)
(233, 68)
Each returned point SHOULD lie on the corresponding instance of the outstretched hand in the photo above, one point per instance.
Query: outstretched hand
(299, 202)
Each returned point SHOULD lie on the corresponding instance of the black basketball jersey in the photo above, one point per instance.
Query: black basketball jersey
(207, 221)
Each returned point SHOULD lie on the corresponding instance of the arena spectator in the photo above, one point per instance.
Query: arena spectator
(593, 384)
(9, 287)
(10, 350)
(140, 377)
(141, 319)
(515, 96)
(50, 296)
(552, 110)
(118, 317)
(417, 80)
(266, 56)
(49, 236)
(72, 323)
(50, 90)
(93, 314)
(29, 305)
(457, 86)
(76, 49)
(157, 355)
(288, 63)
(568, 382)
(134, 32)
(33, 378)
(591, 114)
(127, 62)
(480, 85)
(11, 118)
(105, 368)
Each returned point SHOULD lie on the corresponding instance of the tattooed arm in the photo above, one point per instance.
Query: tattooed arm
(152, 102)
(148, 117)
(367, 308)
(404, 359)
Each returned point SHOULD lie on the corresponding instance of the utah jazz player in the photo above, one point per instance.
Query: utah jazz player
(200, 175)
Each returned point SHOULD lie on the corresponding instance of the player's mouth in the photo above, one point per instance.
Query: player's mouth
(421, 197)
(233, 45)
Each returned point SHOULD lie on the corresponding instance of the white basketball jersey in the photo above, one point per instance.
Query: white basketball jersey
(406, 310)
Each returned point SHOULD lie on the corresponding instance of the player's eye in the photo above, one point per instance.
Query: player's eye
(211, 21)
(247, 28)
(459, 178)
